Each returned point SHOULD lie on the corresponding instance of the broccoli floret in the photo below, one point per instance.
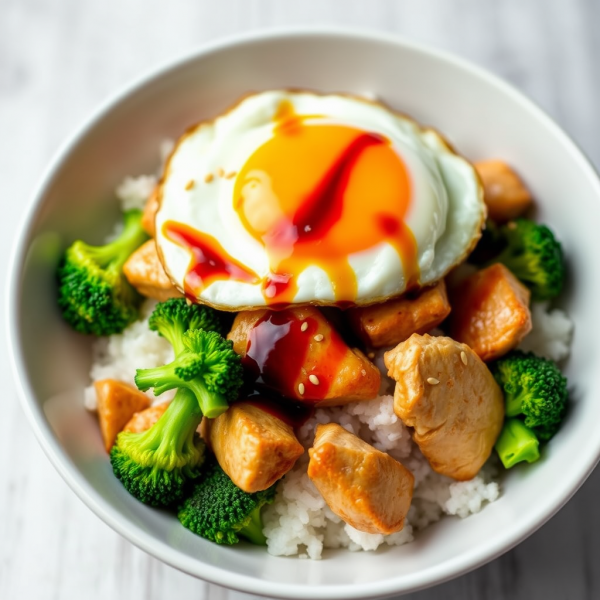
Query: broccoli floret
(207, 366)
(220, 511)
(94, 295)
(172, 318)
(517, 443)
(155, 465)
(534, 389)
(535, 392)
(535, 257)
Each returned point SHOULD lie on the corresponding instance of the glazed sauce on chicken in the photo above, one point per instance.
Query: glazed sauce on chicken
(278, 356)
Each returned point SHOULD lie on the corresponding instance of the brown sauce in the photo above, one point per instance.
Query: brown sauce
(209, 261)
(282, 355)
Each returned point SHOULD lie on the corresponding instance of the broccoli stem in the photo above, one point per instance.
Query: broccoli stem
(166, 441)
(253, 531)
(517, 443)
(174, 333)
(516, 399)
(182, 418)
(161, 378)
(211, 403)
(514, 404)
(164, 378)
(117, 252)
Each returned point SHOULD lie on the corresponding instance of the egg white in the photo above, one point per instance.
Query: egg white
(445, 215)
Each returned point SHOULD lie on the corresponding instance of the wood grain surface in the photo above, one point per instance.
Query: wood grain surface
(60, 58)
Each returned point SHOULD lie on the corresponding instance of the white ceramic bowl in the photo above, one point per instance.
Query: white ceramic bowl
(480, 114)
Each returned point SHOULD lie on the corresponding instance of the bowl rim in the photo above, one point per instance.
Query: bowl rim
(437, 574)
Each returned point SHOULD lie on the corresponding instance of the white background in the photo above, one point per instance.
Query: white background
(60, 58)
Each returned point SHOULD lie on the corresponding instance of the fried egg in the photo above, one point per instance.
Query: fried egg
(300, 198)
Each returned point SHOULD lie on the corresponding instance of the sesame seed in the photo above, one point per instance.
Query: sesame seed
(318, 337)
(190, 184)
(220, 172)
(463, 357)
(371, 354)
(313, 379)
(230, 175)
(301, 389)
(304, 326)
(208, 177)
(432, 380)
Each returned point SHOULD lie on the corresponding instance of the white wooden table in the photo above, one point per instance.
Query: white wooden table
(60, 58)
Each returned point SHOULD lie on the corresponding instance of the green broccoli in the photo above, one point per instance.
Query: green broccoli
(93, 293)
(207, 366)
(172, 318)
(517, 443)
(220, 511)
(155, 465)
(534, 256)
(535, 391)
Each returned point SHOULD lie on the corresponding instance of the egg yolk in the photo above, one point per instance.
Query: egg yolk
(315, 193)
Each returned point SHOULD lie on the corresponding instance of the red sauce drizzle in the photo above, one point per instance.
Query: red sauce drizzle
(323, 207)
(313, 195)
(314, 219)
(278, 356)
(208, 259)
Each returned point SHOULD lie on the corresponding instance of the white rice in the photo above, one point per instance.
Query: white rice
(133, 192)
(551, 333)
(299, 522)
(118, 356)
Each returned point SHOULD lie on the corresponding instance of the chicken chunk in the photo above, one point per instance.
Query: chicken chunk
(299, 354)
(145, 273)
(449, 396)
(117, 403)
(143, 420)
(490, 312)
(366, 488)
(396, 320)
(505, 194)
(254, 447)
(149, 214)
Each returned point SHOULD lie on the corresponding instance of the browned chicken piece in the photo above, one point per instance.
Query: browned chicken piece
(254, 447)
(145, 273)
(449, 396)
(117, 403)
(490, 312)
(396, 320)
(149, 214)
(366, 488)
(299, 354)
(143, 420)
(504, 193)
